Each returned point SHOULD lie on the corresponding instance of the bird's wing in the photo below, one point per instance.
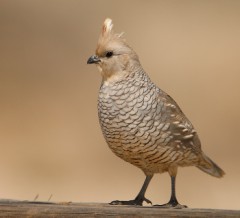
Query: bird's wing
(182, 131)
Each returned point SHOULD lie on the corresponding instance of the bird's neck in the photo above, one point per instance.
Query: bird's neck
(114, 77)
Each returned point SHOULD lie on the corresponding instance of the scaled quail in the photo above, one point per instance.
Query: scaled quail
(141, 123)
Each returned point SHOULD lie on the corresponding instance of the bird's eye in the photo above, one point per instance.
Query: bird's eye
(109, 54)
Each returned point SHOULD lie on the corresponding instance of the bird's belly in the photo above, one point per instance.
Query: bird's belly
(138, 140)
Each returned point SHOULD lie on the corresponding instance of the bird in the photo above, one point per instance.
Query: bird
(141, 123)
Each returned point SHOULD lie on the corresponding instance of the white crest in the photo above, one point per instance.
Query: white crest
(107, 26)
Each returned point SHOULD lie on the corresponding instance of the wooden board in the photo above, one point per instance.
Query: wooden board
(12, 208)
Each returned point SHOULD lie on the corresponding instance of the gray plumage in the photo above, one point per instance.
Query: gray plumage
(141, 123)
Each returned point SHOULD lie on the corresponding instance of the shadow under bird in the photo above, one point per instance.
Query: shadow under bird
(141, 123)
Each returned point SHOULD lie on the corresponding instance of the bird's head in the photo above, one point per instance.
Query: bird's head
(114, 58)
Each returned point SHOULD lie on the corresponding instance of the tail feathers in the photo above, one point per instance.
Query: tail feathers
(209, 167)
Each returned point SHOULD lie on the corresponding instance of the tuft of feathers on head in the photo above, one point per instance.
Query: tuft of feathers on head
(107, 26)
(107, 29)
(108, 38)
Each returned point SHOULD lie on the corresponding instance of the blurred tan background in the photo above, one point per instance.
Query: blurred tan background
(50, 139)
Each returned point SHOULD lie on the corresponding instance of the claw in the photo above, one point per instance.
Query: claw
(147, 201)
(136, 201)
(118, 202)
(131, 202)
(169, 205)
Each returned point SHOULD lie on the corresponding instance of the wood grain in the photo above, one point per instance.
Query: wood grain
(12, 208)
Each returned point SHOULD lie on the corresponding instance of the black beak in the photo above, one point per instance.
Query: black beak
(93, 59)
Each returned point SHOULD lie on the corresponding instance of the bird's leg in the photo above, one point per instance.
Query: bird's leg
(140, 197)
(173, 203)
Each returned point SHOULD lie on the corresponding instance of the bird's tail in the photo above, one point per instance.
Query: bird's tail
(209, 167)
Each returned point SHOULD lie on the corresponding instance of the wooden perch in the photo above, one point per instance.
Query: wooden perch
(12, 208)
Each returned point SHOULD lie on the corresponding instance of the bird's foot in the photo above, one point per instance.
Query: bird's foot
(177, 206)
(137, 201)
(174, 205)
